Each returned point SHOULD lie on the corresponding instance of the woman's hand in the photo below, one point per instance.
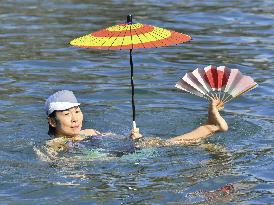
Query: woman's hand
(216, 103)
(214, 117)
(135, 134)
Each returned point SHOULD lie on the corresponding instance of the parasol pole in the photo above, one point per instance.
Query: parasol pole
(129, 21)
(132, 91)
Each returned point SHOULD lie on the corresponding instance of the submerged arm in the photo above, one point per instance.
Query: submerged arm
(89, 132)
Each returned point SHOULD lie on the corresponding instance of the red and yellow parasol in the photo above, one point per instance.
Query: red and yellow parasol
(130, 36)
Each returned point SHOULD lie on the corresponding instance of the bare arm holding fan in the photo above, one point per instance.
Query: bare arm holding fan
(219, 85)
(214, 124)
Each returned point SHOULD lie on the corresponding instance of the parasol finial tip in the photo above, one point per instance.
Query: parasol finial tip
(129, 19)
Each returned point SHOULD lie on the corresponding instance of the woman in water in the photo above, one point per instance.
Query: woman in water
(65, 120)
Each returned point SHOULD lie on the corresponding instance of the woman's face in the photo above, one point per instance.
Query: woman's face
(69, 122)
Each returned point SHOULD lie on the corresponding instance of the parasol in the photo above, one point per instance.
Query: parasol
(129, 36)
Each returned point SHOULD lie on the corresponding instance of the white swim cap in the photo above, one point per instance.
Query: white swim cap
(61, 100)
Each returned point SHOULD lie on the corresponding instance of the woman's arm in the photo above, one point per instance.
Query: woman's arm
(214, 124)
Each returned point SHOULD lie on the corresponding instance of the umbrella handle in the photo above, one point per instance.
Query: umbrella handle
(129, 21)
(134, 125)
(132, 91)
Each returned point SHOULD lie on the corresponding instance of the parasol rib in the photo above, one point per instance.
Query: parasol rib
(108, 39)
(123, 39)
(99, 40)
(157, 35)
(122, 34)
(139, 37)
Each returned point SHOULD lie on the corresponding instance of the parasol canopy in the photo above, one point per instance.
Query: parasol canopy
(129, 36)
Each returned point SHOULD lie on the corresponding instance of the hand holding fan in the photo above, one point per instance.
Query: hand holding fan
(216, 83)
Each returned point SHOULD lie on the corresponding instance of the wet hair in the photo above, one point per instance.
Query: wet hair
(52, 130)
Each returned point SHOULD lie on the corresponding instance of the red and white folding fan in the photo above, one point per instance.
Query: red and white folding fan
(221, 82)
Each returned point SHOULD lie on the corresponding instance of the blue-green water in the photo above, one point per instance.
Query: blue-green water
(36, 60)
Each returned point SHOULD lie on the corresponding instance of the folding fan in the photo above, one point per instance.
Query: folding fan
(221, 82)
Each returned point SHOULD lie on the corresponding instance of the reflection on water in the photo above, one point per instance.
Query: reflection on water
(36, 60)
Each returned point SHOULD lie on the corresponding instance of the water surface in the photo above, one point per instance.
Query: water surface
(36, 60)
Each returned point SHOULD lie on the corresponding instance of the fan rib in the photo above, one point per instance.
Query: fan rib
(181, 84)
(193, 78)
